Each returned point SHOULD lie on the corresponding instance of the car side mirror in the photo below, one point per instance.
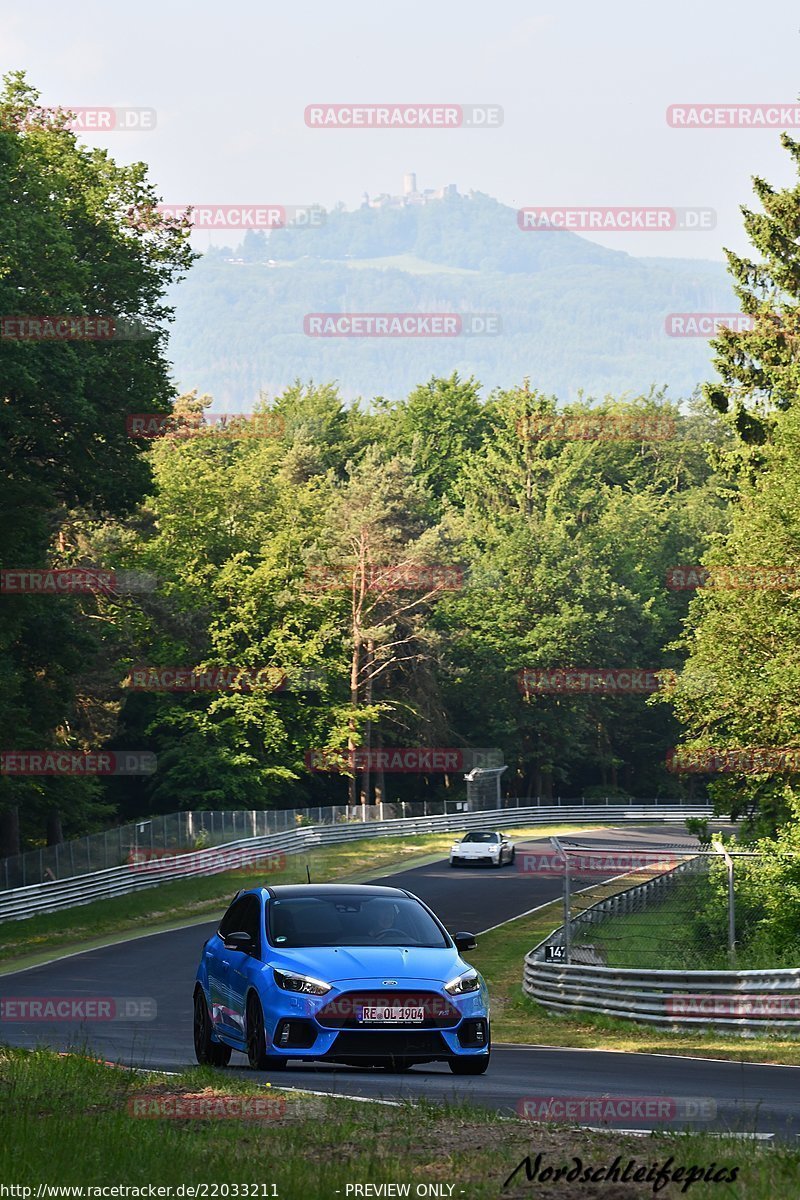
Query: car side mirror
(465, 941)
(239, 941)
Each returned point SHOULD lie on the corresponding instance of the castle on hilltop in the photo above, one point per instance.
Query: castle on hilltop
(411, 196)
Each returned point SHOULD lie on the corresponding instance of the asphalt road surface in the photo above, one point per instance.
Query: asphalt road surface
(695, 1093)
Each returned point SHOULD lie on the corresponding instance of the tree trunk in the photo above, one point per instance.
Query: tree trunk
(55, 834)
(366, 782)
(9, 832)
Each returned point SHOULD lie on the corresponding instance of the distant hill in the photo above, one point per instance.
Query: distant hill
(574, 315)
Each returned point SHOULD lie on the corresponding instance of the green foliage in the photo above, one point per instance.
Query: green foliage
(68, 249)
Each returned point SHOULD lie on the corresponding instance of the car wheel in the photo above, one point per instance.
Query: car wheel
(469, 1066)
(513, 856)
(257, 1054)
(207, 1052)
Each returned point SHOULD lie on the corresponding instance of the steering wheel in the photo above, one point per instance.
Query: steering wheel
(393, 933)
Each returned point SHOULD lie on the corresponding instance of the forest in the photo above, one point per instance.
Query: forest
(471, 565)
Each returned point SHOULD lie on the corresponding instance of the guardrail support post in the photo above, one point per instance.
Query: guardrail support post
(567, 897)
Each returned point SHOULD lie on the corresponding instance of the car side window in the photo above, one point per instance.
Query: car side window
(243, 916)
(251, 922)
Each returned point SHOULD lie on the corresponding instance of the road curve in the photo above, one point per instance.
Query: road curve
(741, 1097)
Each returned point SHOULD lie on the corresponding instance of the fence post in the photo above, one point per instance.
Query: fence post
(719, 848)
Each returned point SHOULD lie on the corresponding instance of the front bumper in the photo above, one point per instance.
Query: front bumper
(459, 860)
(303, 1027)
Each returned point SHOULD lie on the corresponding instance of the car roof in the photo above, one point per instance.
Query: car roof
(286, 891)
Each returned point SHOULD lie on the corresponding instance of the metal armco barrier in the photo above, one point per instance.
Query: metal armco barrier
(19, 903)
(734, 1001)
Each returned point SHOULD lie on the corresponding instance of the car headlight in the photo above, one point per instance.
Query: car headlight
(468, 982)
(290, 981)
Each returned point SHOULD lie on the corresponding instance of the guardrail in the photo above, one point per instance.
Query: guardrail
(19, 903)
(732, 1001)
(200, 828)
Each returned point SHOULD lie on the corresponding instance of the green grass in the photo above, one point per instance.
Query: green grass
(666, 935)
(660, 936)
(69, 1121)
(170, 904)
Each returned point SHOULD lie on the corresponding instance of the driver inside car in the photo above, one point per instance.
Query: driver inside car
(382, 920)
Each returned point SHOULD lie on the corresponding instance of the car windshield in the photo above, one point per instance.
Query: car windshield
(478, 836)
(345, 920)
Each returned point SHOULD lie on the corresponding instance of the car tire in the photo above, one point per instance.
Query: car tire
(207, 1052)
(513, 856)
(257, 1054)
(469, 1066)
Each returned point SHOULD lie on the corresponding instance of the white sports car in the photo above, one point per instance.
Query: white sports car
(482, 846)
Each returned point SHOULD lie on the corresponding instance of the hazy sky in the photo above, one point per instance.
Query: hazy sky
(584, 87)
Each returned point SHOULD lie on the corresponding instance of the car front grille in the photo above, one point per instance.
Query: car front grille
(384, 1043)
(342, 1011)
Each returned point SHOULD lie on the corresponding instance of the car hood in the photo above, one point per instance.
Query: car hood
(335, 964)
(475, 847)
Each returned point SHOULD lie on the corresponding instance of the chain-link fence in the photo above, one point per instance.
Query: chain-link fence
(185, 831)
(670, 907)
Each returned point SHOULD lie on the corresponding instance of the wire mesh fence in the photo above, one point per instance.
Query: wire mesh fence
(675, 907)
(193, 830)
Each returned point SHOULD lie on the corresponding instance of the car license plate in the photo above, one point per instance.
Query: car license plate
(393, 1015)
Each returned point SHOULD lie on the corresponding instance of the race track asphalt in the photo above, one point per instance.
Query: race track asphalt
(707, 1094)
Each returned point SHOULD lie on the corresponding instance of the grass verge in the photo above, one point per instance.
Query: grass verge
(71, 1121)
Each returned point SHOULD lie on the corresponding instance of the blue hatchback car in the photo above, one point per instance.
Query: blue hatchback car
(346, 973)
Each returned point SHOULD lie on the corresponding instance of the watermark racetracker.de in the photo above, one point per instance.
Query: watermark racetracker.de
(242, 216)
(77, 1008)
(706, 324)
(73, 762)
(177, 427)
(741, 577)
(738, 760)
(409, 760)
(72, 327)
(733, 116)
(757, 1006)
(189, 1107)
(209, 679)
(64, 581)
(208, 862)
(403, 116)
(616, 218)
(601, 863)
(402, 325)
(603, 1109)
(386, 577)
(103, 118)
(596, 427)
(541, 681)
